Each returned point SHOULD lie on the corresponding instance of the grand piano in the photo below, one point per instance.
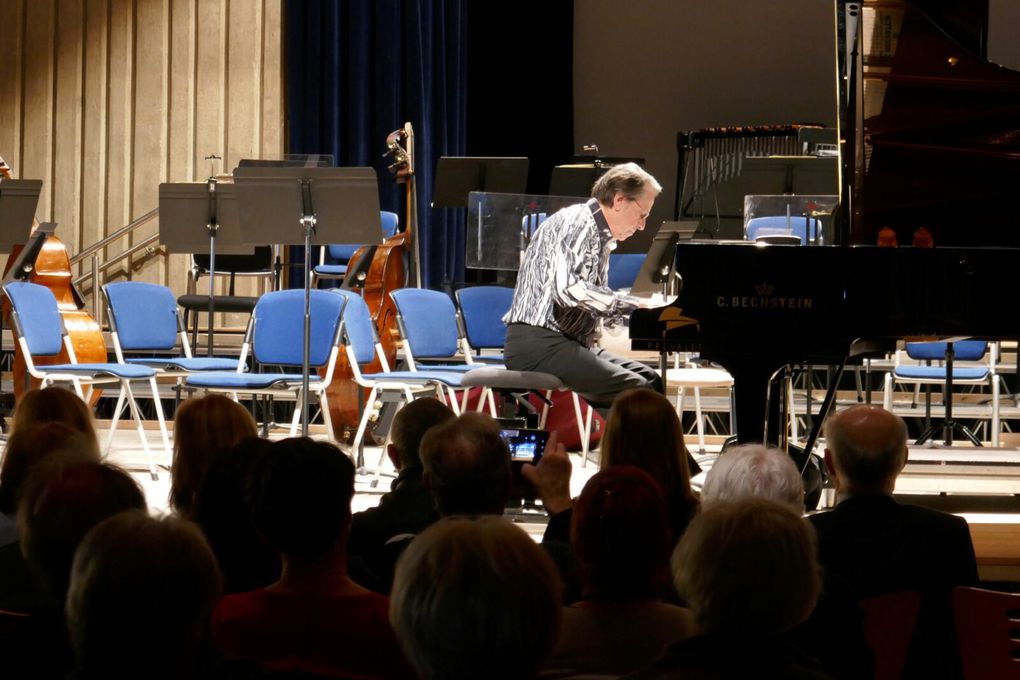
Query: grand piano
(938, 145)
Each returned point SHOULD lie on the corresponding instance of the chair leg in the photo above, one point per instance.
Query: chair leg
(580, 428)
(113, 423)
(362, 426)
(326, 417)
(698, 420)
(545, 410)
(887, 393)
(296, 419)
(454, 404)
(137, 415)
(160, 416)
(996, 390)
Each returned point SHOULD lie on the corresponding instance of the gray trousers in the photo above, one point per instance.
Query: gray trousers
(595, 374)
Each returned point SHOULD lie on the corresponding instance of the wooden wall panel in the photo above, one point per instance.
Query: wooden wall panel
(105, 99)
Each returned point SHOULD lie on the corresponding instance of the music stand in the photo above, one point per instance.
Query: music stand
(457, 176)
(18, 201)
(330, 205)
(197, 217)
(654, 275)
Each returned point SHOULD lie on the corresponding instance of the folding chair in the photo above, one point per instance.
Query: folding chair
(481, 317)
(358, 336)
(274, 338)
(986, 628)
(144, 317)
(40, 331)
(927, 371)
(343, 252)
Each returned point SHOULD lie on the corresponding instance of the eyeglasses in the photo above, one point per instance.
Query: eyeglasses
(644, 213)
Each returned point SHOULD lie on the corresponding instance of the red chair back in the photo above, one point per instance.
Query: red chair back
(988, 629)
(889, 627)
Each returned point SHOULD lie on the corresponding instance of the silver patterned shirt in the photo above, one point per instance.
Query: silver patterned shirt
(562, 282)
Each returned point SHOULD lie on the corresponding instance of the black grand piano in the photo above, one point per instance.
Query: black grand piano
(939, 146)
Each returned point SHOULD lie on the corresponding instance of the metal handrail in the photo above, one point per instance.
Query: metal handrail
(93, 253)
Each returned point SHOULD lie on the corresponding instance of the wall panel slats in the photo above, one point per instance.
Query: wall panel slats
(105, 99)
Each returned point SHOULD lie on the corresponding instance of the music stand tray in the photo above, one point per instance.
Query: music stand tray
(306, 205)
(457, 176)
(184, 219)
(18, 201)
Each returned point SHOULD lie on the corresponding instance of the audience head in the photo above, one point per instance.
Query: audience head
(475, 598)
(643, 430)
(300, 497)
(620, 534)
(467, 466)
(866, 448)
(137, 580)
(410, 425)
(32, 444)
(747, 568)
(54, 405)
(754, 471)
(62, 501)
(222, 512)
(203, 429)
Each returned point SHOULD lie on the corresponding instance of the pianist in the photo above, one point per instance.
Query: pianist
(562, 297)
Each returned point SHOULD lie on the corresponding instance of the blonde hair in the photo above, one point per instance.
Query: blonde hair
(203, 429)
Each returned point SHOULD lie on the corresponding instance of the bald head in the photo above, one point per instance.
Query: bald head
(866, 447)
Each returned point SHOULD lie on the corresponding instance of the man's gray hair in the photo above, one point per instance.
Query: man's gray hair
(754, 471)
(627, 178)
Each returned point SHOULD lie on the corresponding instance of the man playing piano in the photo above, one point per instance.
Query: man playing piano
(562, 297)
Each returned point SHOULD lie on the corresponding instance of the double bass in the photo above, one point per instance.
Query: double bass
(52, 268)
(376, 270)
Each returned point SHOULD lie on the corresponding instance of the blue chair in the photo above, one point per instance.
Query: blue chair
(144, 317)
(343, 252)
(624, 268)
(481, 319)
(794, 226)
(429, 330)
(274, 338)
(40, 332)
(360, 342)
(928, 370)
(482, 309)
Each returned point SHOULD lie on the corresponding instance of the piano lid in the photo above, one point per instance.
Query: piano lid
(940, 130)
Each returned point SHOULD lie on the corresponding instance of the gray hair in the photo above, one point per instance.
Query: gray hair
(627, 178)
(754, 471)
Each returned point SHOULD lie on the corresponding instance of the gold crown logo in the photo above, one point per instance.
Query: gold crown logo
(764, 289)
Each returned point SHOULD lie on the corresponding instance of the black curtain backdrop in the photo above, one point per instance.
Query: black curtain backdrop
(475, 78)
(356, 71)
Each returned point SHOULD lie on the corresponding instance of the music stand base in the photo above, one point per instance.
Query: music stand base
(946, 430)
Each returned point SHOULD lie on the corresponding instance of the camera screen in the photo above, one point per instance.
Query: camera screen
(525, 445)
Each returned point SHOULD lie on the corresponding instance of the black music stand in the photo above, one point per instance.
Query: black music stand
(949, 424)
(18, 201)
(457, 176)
(202, 218)
(330, 205)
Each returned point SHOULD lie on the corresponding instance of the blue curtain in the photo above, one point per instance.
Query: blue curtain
(356, 71)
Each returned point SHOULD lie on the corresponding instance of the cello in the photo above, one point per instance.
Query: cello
(376, 270)
(52, 268)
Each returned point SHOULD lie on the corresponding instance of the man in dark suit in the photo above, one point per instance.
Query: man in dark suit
(881, 546)
(408, 507)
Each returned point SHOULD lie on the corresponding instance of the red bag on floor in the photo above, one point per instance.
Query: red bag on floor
(563, 421)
